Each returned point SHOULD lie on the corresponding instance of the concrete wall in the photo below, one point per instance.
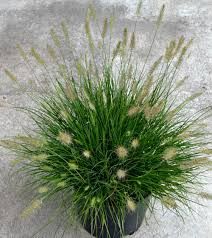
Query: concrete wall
(28, 22)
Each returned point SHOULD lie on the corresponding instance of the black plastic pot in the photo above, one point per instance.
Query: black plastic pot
(132, 222)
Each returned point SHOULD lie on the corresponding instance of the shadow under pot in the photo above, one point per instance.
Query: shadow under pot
(132, 222)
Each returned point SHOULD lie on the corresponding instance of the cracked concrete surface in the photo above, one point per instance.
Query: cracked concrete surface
(28, 22)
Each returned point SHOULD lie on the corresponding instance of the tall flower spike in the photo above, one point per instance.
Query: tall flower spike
(105, 27)
(37, 56)
(132, 41)
(64, 138)
(10, 75)
(169, 202)
(133, 111)
(40, 157)
(121, 152)
(205, 195)
(36, 204)
(138, 10)
(121, 174)
(131, 205)
(160, 17)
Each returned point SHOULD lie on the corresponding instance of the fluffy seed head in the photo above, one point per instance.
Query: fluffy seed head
(121, 152)
(87, 153)
(64, 115)
(169, 202)
(160, 17)
(135, 143)
(37, 56)
(170, 153)
(46, 168)
(40, 157)
(93, 201)
(133, 111)
(73, 166)
(61, 184)
(131, 205)
(43, 189)
(121, 174)
(36, 204)
(64, 138)
(205, 195)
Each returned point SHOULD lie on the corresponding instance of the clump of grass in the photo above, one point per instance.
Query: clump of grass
(110, 134)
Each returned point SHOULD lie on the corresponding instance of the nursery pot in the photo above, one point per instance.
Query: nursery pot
(132, 222)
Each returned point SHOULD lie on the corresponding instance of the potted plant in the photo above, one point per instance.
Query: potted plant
(109, 134)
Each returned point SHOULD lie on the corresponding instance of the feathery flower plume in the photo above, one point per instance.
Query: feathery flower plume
(170, 50)
(169, 202)
(91, 106)
(22, 53)
(138, 9)
(105, 27)
(36, 204)
(9, 144)
(133, 111)
(170, 153)
(160, 17)
(65, 31)
(55, 38)
(132, 41)
(131, 205)
(36, 142)
(155, 65)
(86, 188)
(37, 56)
(40, 157)
(91, 12)
(64, 138)
(88, 34)
(116, 51)
(203, 161)
(10, 75)
(121, 152)
(70, 92)
(135, 143)
(145, 89)
(112, 21)
(73, 166)
(93, 201)
(151, 112)
(125, 37)
(46, 168)
(87, 153)
(183, 52)
(61, 184)
(64, 115)
(207, 151)
(43, 189)
(205, 195)
(179, 44)
(121, 174)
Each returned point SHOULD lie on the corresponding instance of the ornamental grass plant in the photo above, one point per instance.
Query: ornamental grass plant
(110, 130)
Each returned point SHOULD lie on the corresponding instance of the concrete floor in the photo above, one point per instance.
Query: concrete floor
(28, 22)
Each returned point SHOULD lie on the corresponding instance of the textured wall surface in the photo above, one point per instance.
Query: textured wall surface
(28, 22)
